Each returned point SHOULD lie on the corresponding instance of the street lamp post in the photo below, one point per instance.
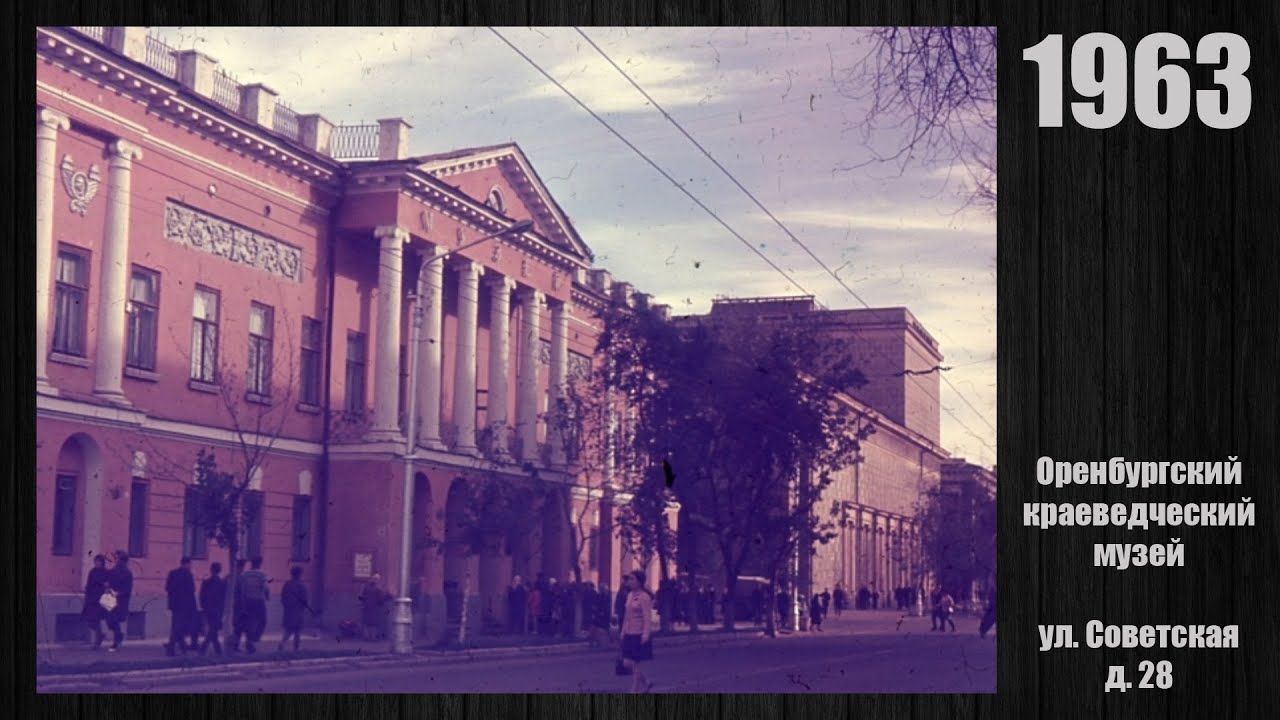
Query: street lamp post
(402, 616)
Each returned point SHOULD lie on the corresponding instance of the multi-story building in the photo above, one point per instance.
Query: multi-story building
(216, 270)
(878, 499)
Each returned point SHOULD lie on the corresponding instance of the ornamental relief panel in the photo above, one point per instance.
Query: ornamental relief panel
(207, 233)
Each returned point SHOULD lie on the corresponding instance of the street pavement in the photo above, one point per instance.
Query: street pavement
(862, 652)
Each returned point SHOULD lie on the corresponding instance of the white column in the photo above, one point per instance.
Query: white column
(531, 301)
(464, 378)
(114, 279)
(559, 378)
(500, 287)
(430, 355)
(48, 123)
(386, 364)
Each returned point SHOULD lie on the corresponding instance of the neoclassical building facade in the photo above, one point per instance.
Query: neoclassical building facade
(216, 270)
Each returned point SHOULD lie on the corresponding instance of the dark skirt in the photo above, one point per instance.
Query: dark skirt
(633, 649)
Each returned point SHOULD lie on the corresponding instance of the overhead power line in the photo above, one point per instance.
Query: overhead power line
(758, 203)
(698, 201)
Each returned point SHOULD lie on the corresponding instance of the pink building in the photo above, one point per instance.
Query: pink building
(218, 271)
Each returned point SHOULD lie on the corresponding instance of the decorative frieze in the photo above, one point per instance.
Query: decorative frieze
(579, 367)
(195, 229)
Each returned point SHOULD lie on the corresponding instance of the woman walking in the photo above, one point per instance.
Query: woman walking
(94, 589)
(121, 582)
(816, 613)
(637, 623)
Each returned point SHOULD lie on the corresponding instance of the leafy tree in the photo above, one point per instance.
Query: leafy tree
(749, 416)
(958, 538)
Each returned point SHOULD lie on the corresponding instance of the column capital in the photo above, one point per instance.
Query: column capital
(384, 232)
(524, 293)
(124, 151)
(464, 265)
(52, 119)
(495, 281)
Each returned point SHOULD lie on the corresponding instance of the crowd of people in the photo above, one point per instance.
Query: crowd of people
(196, 618)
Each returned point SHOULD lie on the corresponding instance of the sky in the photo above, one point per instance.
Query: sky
(762, 101)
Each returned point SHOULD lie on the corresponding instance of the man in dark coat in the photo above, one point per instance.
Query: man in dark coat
(517, 605)
(294, 599)
(94, 588)
(213, 601)
(180, 586)
(121, 582)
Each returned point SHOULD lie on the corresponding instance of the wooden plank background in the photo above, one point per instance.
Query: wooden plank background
(1139, 309)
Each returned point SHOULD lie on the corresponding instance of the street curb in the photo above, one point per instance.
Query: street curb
(273, 668)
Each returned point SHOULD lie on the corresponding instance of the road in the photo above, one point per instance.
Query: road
(849, 658)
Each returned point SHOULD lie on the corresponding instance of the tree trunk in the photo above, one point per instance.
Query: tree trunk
(731, 588)
(771, 606)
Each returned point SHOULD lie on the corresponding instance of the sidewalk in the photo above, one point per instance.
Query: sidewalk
(143, 664)
(67, 660)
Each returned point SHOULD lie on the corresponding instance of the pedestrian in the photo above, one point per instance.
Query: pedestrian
(254, 594)
(816, 612)
(946, 606)
(373, 601)
(620, 604)
(94, 588)
(239, 618)
(535, 610)
(213, 601)
(935, 602)
(637, 624)
(121, 582)
(989, 617)
(517, 605)
(293, 598)
(826, 601)
(180, 587)
(841, 599)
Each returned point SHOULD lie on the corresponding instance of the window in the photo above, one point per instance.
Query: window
(301, 528)
(64, 514)
(71, 301)
(593, 549)
(204, 336)
(139, 494)
(355, 371)
(144, 316)
(310, 376)
(261, 326)
(251, 505)
(195, 539)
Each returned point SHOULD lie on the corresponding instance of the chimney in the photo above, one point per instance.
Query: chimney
(130, 42)
(642, 300)
(315, 132)
(195, 71)
(622, 293)
(393, 139)
(601, 280)
(258, 104)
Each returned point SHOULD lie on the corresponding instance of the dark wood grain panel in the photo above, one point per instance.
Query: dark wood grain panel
(1138, 316)
(1201, 356)
(1256, 391)
(1136, 332)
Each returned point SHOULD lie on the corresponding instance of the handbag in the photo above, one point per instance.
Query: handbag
(620, 668)
(108, 600)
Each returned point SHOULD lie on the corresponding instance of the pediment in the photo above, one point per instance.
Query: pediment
(501, 177)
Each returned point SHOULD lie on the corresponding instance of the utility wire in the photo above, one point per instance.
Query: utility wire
(756, 200)
(647, 159)
(693, 197)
